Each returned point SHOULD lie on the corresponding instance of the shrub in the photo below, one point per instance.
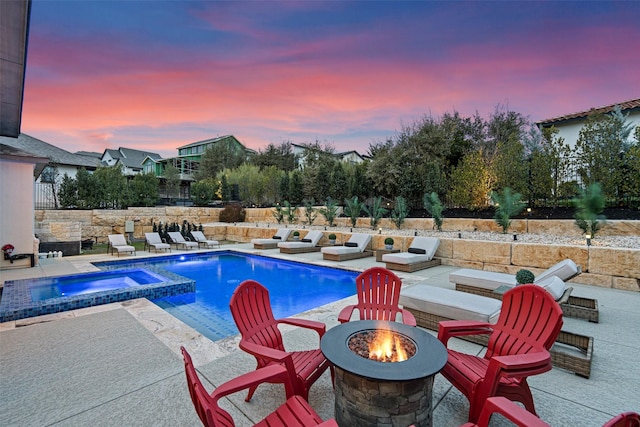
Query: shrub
(524, 276)
(233, 213)
(375, 211)
(309, 211)
(332, 236)
(399, 212)
(352, 209)
(589, 207)
(507, 205)
(433, 205)
(388, 241)
(330, 211)
(290, 212)
(296, 234)
(278, 214)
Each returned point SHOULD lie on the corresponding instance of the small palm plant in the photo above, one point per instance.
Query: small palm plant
(432, 204)
(507, 205)
(375, 211)
(589, 207)
(290, 212)
(309, 211)
(277, 213)
(399, 212)
(352, 209)
(330, 211)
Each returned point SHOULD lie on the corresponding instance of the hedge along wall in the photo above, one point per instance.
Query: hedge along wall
(605, 267)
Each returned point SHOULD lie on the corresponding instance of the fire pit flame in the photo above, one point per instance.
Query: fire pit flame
(387, 347)
(382, 345)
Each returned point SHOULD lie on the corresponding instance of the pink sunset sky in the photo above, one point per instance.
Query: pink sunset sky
(156, 75)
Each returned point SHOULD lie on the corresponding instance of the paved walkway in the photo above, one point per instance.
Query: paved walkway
(119, 364)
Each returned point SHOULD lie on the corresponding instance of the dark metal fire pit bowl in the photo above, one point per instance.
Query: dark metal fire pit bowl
(372, 393)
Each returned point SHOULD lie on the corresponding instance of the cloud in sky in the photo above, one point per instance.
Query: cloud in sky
(155, 75)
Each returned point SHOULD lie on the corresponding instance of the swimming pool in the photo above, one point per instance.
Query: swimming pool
(294, 287)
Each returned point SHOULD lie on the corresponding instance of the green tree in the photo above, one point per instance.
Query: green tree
(399, 212)
(220, 156)
(338, 182)
(295, 187)
(171, 181)
(144, 190)
(507, 205)
(471, 182)
(68, 193)
(280, 156)
(203, 192)
(250, 183)
(113, 188)
(88, 190)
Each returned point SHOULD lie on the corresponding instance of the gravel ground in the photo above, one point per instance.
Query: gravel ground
(630, 242)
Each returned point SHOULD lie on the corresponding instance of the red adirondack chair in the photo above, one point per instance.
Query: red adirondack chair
(251, 310)
(528, 325)
(514, 413)
(378, 291)
(626, 419)
(293, 413)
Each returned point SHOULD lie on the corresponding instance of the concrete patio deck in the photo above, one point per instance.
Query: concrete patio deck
(119, 364)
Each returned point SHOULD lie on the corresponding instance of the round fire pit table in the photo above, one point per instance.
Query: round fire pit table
(372, 393)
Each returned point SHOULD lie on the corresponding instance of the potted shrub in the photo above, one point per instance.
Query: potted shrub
(388, 243)
(332, 239)
(296, 235)
(524, 276)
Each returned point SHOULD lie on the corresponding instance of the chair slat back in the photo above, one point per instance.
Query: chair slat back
(251, 310)
(378, 292)
(530, 319)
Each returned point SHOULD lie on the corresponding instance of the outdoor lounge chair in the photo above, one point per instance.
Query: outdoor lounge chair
(281, 236)
(308, 244)
(153, 240)
(203, 241)
(117, 243)
(492, 284)
(295, 412)
(177, 239)
(354, 248)
(418, 257)
(431, 305)
(528, 325)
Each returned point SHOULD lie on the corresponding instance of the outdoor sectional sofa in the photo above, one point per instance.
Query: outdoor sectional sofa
(493, 285)
(431, 305)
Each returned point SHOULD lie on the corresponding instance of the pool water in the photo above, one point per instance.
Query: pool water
(89, 283)
(293, 287)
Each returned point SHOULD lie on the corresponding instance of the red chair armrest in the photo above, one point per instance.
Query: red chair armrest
(264, 352)
(521, 365)
(319, 327)
(509, 410)
(257, 377)
(451, 328)
(345, 314)
(408, 318)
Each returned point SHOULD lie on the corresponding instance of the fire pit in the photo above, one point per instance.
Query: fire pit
(384, 387)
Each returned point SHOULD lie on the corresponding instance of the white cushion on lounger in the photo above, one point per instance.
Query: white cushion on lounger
(450, 304)
(283, 233)
(481, 278)
(428, 244)
(314, 235)
(361, 239)
(564, 270)
(554, 285)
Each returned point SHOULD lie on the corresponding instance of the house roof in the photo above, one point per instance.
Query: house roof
(131, 158)
(209, 141)
(633, 104)
(56, 155)
(11, 153)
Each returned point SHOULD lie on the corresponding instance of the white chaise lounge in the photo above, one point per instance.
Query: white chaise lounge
(354, 248)
(308, 244)
(418, 257)
(431, 305)
(177, 239)
(487, 283)
(117, 243)
(153, 240)
(202, 240)
(281, 236)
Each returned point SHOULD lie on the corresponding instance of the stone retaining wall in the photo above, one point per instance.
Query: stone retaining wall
(605, 267)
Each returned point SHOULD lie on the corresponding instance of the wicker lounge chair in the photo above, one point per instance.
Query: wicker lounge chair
(418, 257)
(488, 283)
(308, 244)
(354, 248)
(431, 305)
(281, 236)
